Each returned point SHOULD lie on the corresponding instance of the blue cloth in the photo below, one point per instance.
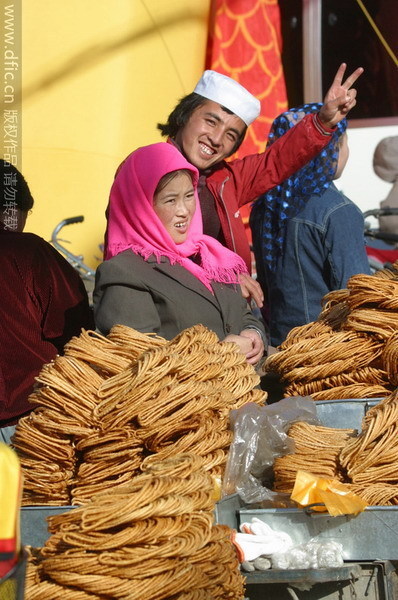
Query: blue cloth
(272, 210)
(6, 433)
(308, 238)
(323, 246)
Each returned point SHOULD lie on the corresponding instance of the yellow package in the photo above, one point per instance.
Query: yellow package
(335, 496)
(217, 488)
(10, 500)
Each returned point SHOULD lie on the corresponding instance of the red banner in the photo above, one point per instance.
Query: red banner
(245, 43)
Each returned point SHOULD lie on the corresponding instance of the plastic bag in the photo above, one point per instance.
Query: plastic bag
(260, 435)
(333, 496)
(311, 555)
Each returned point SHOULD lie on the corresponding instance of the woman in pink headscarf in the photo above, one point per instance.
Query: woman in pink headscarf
(161, 274)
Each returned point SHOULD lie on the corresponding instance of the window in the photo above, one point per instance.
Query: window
(345, 35)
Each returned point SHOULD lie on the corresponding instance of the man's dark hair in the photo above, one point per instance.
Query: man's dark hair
(14, 187)
(179, 117)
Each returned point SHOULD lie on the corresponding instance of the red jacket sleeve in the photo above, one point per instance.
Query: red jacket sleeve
(257, 173)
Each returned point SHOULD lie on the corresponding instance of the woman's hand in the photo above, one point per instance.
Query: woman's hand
(250, 344)
(257, 350)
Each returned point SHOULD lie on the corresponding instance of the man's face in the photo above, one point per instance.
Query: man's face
(210, 135)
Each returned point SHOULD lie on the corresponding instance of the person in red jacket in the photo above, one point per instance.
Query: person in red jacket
(209, 125)
(43, 301)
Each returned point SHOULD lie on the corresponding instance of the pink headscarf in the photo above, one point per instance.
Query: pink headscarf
(133, 223)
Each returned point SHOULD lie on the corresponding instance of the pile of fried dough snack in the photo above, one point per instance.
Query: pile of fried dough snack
(351, 351)
(134, 431)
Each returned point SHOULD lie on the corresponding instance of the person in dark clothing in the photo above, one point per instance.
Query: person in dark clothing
(43, 302)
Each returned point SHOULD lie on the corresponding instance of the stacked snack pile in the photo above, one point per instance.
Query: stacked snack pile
(371, 458)
(351, 350)
(106, 413)
(109, 403)
(152, 539)
(317, 451)
(367, 462)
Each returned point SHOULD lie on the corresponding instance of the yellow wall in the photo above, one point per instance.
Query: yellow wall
(97, 77)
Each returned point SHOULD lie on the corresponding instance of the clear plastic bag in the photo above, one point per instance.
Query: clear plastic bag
(260, 435)
(312, 555)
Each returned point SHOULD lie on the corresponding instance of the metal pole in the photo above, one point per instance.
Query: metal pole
(312, 50)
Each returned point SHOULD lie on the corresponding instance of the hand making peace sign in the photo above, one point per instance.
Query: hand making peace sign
(340, 98)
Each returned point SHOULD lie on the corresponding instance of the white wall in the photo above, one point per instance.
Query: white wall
(359, 181)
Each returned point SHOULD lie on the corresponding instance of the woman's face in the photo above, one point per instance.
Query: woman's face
(175, 206)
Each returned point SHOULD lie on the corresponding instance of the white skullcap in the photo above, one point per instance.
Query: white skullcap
(229, 93)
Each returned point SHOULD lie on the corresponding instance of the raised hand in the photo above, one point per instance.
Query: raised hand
(340, 98)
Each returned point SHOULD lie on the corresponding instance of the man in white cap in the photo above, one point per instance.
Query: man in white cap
(209, 125)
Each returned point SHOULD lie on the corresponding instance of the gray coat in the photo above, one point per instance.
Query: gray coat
(165, 299)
